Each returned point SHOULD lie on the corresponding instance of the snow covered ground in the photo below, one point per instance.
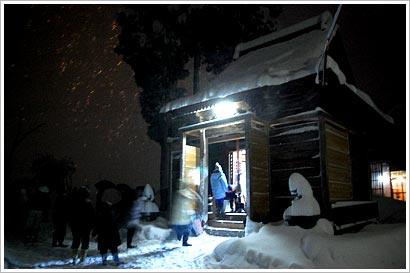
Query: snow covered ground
(270, 246)
(157, 248)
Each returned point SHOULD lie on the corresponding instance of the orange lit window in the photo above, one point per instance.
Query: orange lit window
(398, 184)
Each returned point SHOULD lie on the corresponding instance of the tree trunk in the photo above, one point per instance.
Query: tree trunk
(197, 66)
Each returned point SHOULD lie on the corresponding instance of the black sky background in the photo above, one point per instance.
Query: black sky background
(60, 69)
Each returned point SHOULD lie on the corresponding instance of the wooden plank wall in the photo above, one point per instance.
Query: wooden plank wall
(259, 189)
(338, 163)
(274, 102)
(294, 147)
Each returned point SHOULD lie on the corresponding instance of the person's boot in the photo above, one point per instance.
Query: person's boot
(83, 255)
(104, 259)
(74, 255)
(130, 235)
(185, 241)
(116, 258)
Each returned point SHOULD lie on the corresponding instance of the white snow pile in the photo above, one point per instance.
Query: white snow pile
(278, 246)
(283, 246)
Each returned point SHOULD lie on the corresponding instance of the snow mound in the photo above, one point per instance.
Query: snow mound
(291, 247)
(155, 230)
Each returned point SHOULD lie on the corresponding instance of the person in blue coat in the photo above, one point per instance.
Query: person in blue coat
(219, 186)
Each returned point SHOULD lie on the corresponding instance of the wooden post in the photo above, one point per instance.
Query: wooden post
(203, 166)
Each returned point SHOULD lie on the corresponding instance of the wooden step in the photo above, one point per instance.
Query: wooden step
(226, 232)
(232, 216)
(226, 223)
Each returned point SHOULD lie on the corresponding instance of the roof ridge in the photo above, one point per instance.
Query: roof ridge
(324, 19)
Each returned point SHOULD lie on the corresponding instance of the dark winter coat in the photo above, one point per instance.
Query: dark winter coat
(60, 209)
(81, 216)
(231, 193)
(106, 228)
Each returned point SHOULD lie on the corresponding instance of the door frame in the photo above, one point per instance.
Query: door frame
(203, 134)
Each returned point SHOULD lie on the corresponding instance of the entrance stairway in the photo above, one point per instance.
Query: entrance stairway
(230, 224)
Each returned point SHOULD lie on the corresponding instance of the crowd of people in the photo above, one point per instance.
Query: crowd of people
(103, 220)
(87, 221)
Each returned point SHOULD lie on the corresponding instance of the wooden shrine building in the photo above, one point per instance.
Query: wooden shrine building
(287, 103)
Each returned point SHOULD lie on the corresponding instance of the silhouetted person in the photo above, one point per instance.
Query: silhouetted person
(106, 231)
(129, 212)
(81, 221)
(60, 218)
(34, 216)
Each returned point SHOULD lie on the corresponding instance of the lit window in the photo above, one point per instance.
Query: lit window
(388, 183)
(398, 183)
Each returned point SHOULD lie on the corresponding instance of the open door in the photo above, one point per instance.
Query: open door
(195, 164)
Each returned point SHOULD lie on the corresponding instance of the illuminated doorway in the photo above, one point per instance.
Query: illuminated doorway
(237, 176)
(242, 136)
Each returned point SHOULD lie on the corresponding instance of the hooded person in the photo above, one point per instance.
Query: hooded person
(219, 186)
(150, 210)
(305, 210)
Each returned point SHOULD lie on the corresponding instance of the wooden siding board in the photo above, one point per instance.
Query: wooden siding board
(293, 138)
(260, 185)
(303, 149)
(337, 157)
(258, 144)
(260, 205)
(323, 159)
(339, 174)
(338, 165)
(296, 163)
(286, 100)
(294, 147)
(337, 142)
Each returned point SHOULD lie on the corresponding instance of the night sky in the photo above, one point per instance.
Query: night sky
(60, 69)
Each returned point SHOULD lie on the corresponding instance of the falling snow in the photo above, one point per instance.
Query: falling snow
(69, 71)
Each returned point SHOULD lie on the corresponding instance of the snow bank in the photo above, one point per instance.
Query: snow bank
(277, 246)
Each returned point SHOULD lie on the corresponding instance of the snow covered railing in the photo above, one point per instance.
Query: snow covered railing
(351, 216)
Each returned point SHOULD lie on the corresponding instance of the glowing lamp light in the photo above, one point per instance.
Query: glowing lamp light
(384, 179)
(225, 109)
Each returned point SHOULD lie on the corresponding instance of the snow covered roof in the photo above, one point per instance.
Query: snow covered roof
(275, 64)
